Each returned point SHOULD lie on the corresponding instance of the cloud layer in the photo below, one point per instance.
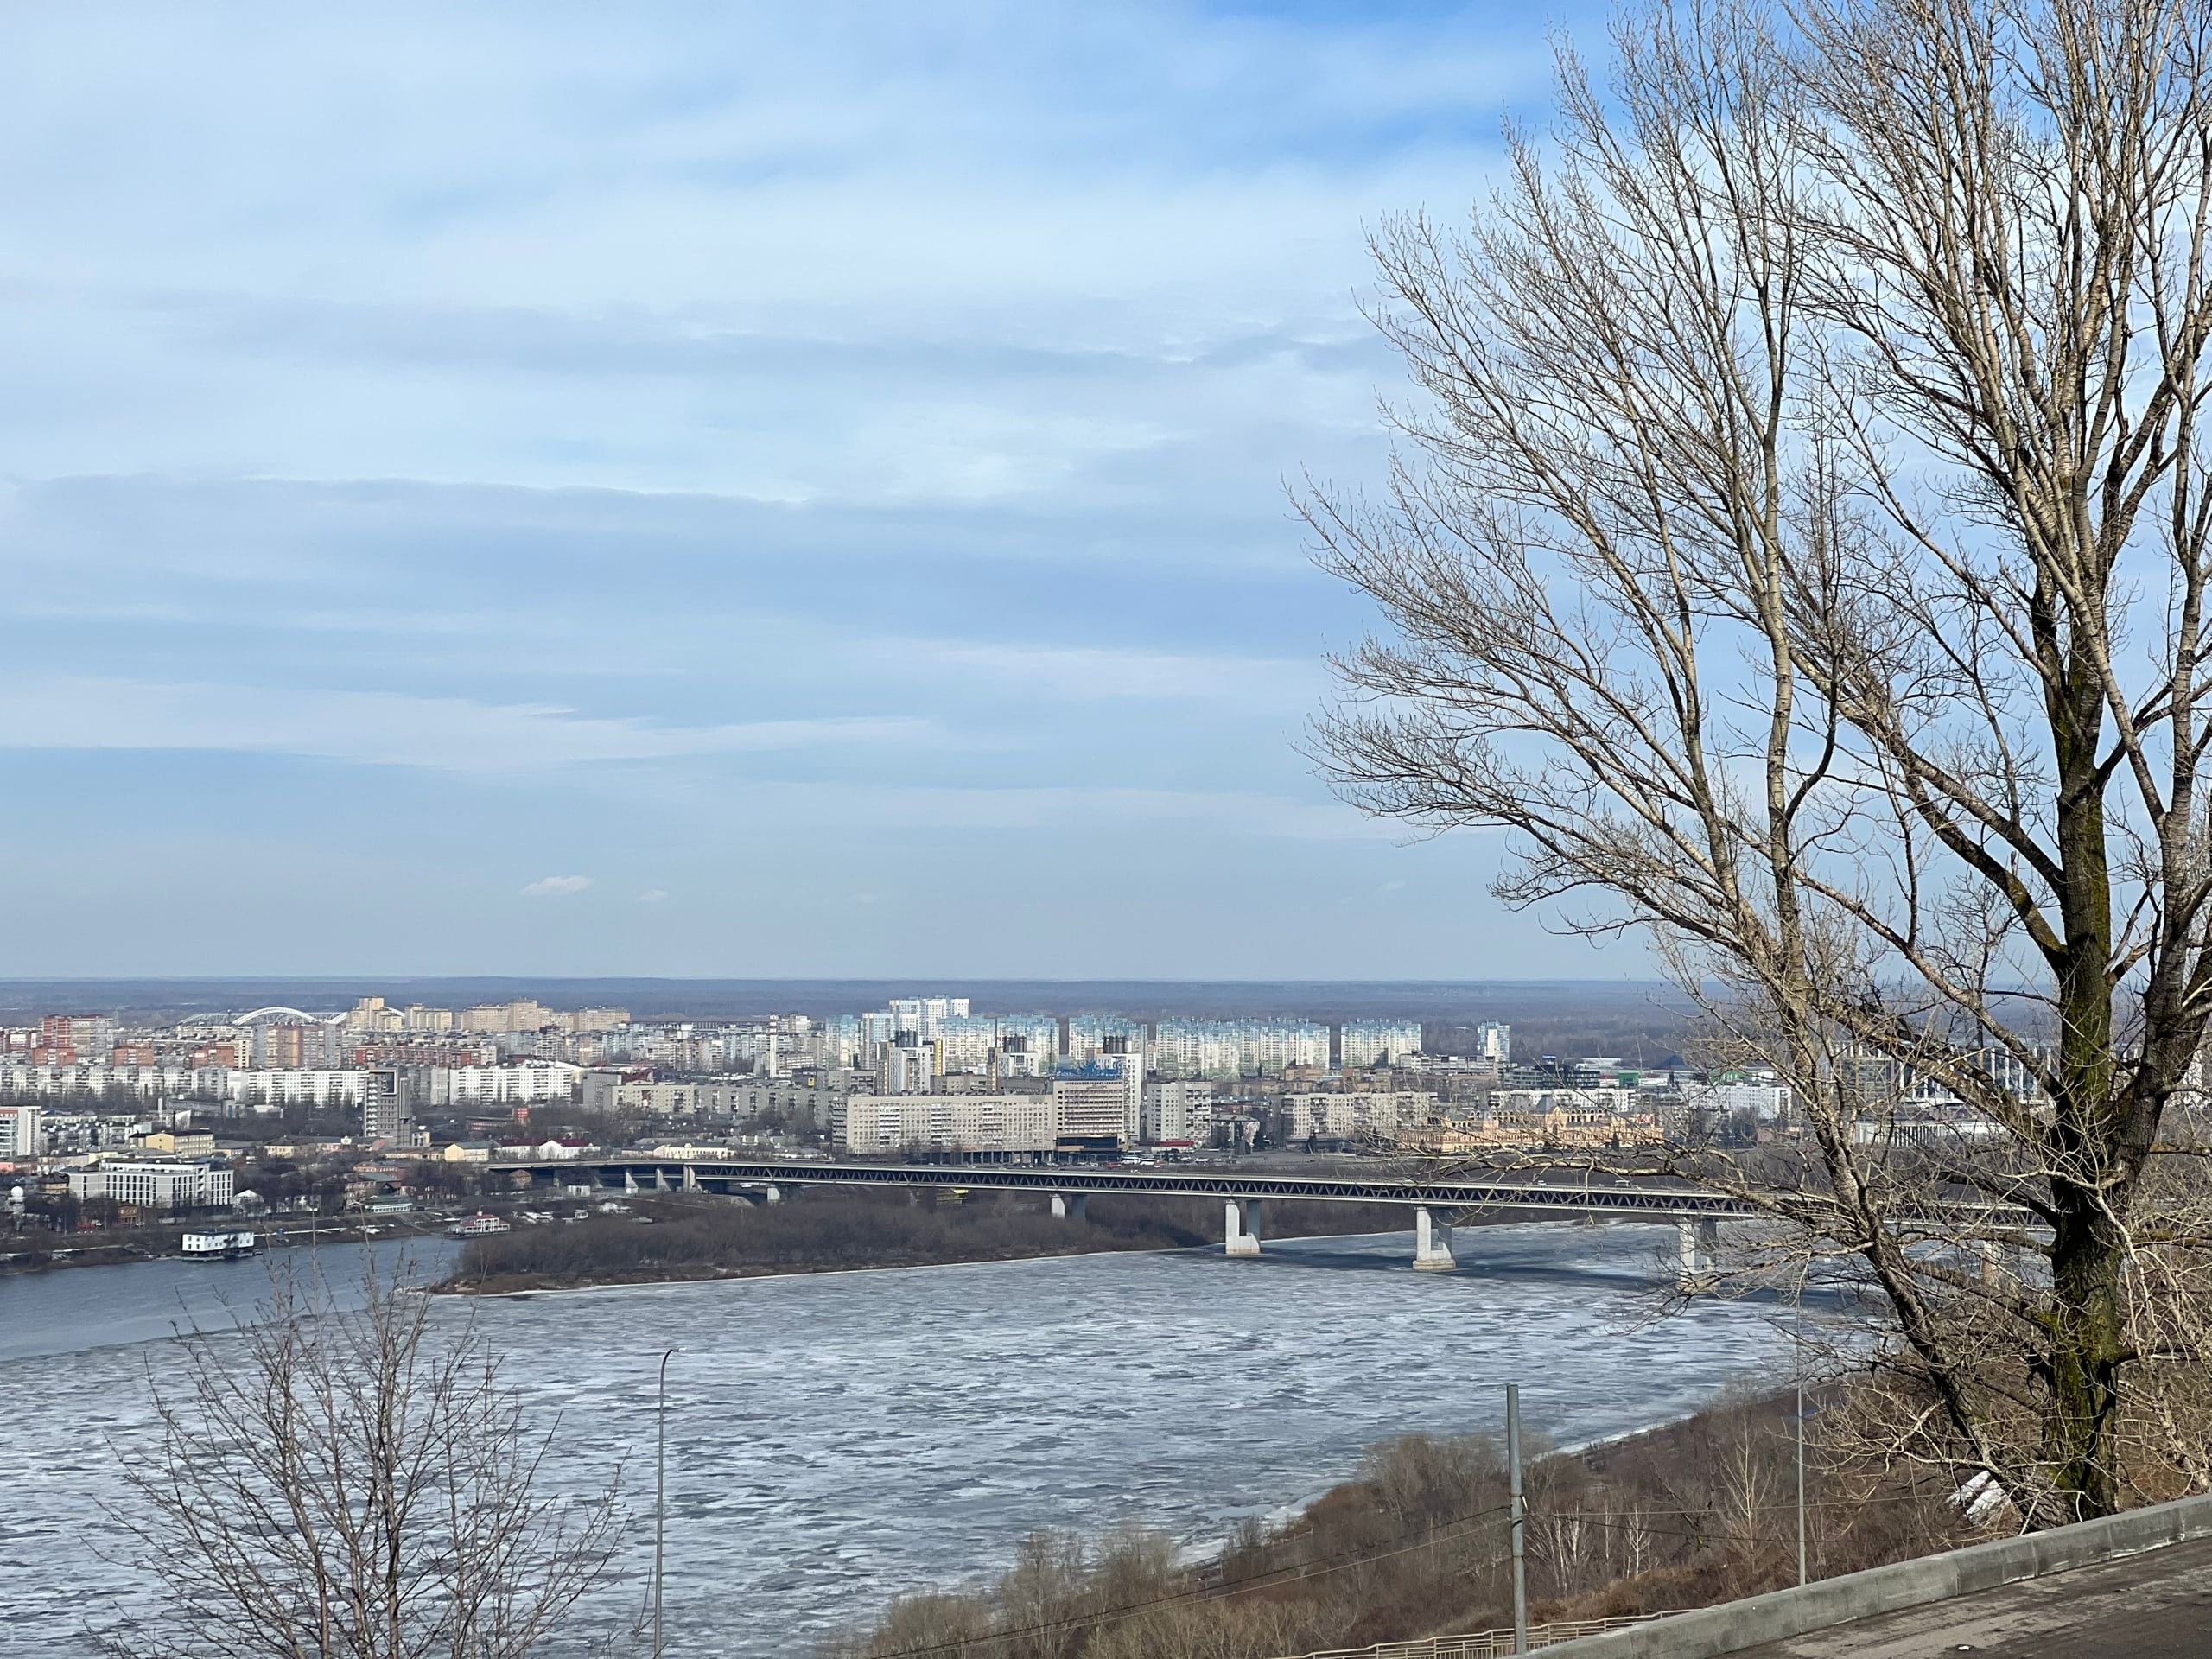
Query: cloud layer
(818, 468)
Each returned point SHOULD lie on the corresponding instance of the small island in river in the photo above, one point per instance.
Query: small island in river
(664, 1237)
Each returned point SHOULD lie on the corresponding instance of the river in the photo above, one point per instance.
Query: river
(834, 1438)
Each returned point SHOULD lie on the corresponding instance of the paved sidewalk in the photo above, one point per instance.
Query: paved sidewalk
(2156, 1605)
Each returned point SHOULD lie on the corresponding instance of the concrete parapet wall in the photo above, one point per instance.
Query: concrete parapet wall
(1781, 1614)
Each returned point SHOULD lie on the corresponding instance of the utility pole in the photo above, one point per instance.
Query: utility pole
(660, 1502)
(1802, 1553)
(1801, 1477)
(1519, 1517)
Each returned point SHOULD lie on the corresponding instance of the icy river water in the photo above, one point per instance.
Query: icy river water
(834, 1438)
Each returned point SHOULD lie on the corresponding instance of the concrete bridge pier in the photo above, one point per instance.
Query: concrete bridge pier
(1244, 1227)
(1685, 1253)
(775, 1194)
(1075, 1205)
(1431, 1243)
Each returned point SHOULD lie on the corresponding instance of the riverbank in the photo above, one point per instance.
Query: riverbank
(147, 1244)
(685, 1237)
(1683, 1514)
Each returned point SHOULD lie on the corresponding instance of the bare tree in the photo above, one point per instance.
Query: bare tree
(1801, 544)
(350, 1484)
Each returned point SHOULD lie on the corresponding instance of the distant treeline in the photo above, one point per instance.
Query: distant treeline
(1700, 1511)
(695, 1236)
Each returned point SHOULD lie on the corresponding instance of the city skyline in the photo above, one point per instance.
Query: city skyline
(770, 496)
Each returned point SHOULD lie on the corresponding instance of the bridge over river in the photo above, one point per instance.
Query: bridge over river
(1696, 1212)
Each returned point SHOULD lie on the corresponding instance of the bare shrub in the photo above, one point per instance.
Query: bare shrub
(335, 1481)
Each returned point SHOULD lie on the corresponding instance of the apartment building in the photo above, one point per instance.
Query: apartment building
(21, 1135)
(155, 1184)
(1357, 1115)
(1004, 1123)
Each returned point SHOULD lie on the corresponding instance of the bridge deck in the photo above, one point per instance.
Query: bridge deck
(1604, 1195)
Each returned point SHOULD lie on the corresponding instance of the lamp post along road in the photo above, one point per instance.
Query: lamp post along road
(660, 1501)
(1519, 1518)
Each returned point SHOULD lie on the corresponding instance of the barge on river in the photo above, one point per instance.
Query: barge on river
(223, 1245)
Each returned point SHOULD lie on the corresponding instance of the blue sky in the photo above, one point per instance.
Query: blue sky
(709, 489)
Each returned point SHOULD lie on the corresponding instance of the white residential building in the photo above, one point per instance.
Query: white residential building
(20, 1134)
(1530, 1102)
(1023, 1122)
(1367, 1043)
(920, 1014)
(522, 1084)
(1354, 1116)
(1769, 1102)
(155, 1185)
(1236, 1048)
(811, 1103)
(1092, 1036)
(1179, 1108)
(276, 1089)
(973, 1042)
(20, 1077)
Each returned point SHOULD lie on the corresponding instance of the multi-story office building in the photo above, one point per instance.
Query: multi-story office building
(1098, 1102)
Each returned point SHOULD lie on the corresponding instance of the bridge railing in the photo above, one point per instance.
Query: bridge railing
(1487, 1644)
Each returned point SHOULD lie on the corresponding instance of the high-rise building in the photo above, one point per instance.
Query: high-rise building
(1103, 1096)
(1494, 1042)
(1367, 1043)
(82, 1036)
(1178, 1109)
(1089, 1035)
(1237, 1048)
(20, 1135)
(920, 1014)
(388, 1104)
(907, 1066)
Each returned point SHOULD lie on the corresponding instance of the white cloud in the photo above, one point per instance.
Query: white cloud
(1082, 671)
(652, 896)
(556, 886)
(388, 729)
(1237, 812)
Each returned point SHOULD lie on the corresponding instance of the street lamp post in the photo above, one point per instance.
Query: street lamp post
(660, 1501)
